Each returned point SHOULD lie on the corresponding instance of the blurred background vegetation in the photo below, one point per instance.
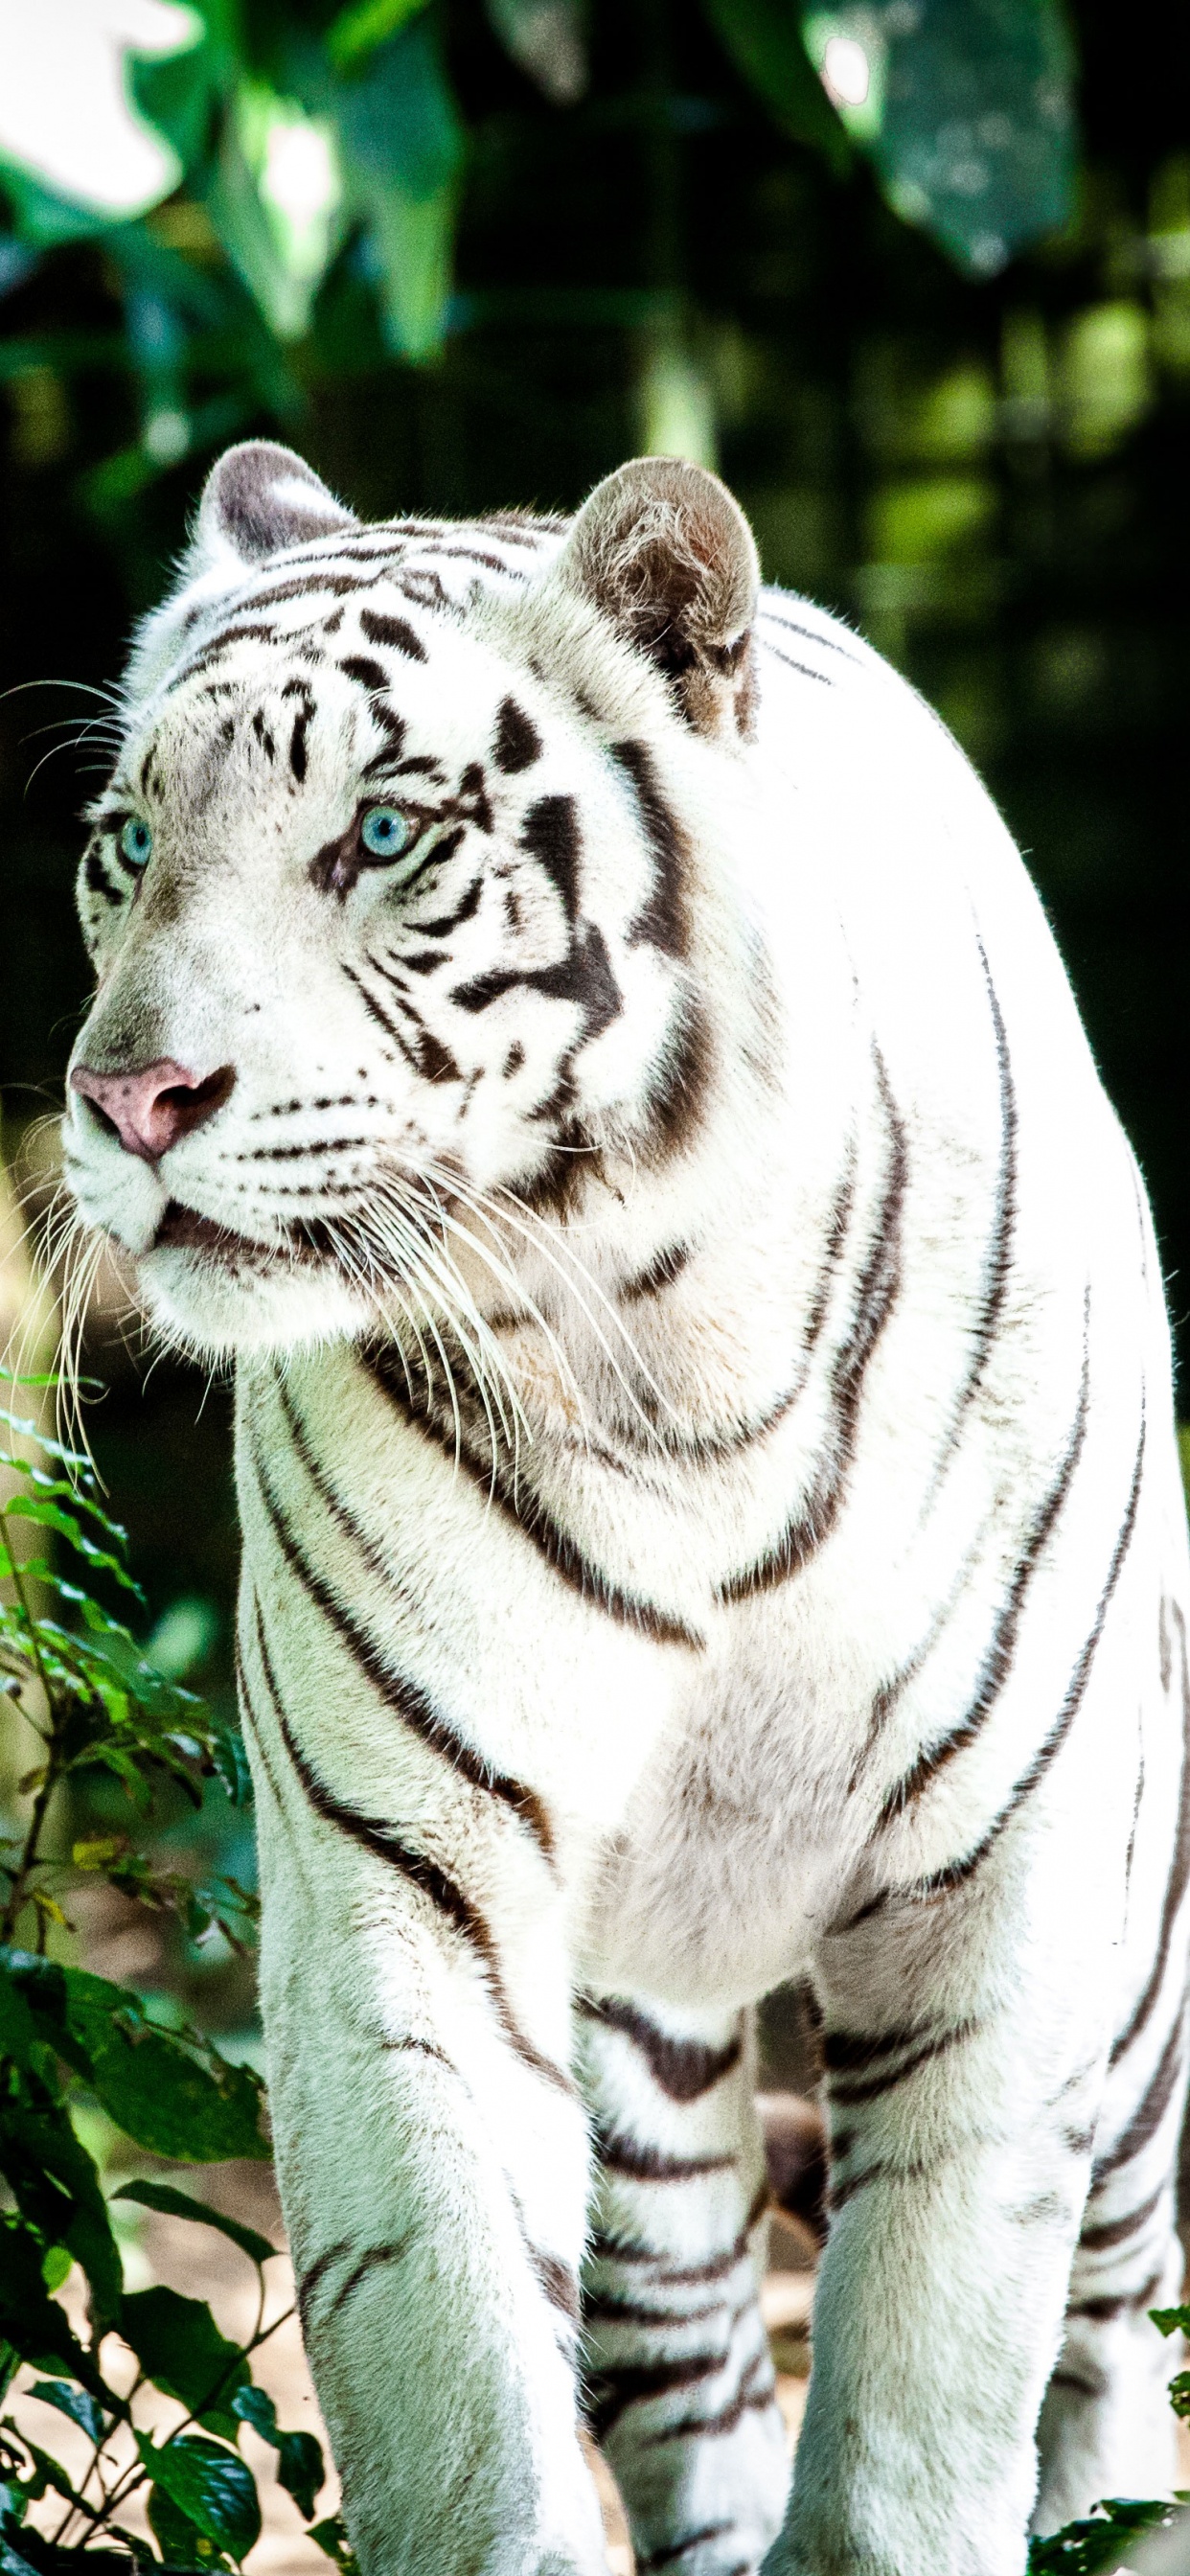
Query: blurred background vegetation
(915, 276)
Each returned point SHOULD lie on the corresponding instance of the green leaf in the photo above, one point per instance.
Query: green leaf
(50, 2473)
(213, 2487)
(179, 2204)
(12, 2560)
(764, 41)
(969, 118)
(182, 2543)
(170, 2091)
(412, 239)
(49, 1515)
(74, 2402)
(56, 2188)
(67, 1490)
(400, 149)
(30, 2320)
(301, 2469)
(180, 2348)
(176, 93)
(330, 2536)
(27, 1430)
(18, 2033)
(1092, 2548)
(361, 27)
(1171, 2320)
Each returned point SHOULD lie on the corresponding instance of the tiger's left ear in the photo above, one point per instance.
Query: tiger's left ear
(665, 552)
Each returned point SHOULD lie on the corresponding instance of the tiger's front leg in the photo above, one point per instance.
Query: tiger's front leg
(960, 2164)
(433, 2163)
(680, 2385)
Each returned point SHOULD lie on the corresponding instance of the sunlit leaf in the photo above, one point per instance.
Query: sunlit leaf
(75, 2403)
(213, 2487)
(50, 1515)
(28, 1430)
(168, 2090)
(400, 148)
(181, 2542)
(362, 26)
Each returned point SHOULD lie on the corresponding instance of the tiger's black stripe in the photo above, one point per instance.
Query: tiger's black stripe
(803, 668)
(852, 2052)
(1149, 2113)
(812, 635)
(998, 1661)
(370, 2261)
(558, 2282)
(1099, 2239)
(998, 1261)
(630, 2312)
(373, 1834)
(684, 2069)
(609, 2395)
(244, 1697)
(958, 1872)
(756, 2388)
(397, 1692)
(387, 1367)
(657, 1275)
(662, 921)
(639, 2161)
(658, 2262)
(677, 2549)
(316, 2273)
(877, 1292)
(869, 2088)
(1179, 1874)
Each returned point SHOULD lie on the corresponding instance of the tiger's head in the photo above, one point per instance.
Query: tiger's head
(389, 895)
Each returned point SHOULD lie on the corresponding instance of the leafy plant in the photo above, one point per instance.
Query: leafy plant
(69, 2038)
(316, 155)
(1097, 2546)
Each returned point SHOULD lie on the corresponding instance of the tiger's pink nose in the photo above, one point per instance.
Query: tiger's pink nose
(150, 1110)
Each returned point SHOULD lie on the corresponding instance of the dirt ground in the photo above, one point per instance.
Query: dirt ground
(202, 2264)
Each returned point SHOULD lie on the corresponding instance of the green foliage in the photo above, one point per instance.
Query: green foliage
(1095, 2547)
(68, 2038)
(324, 151)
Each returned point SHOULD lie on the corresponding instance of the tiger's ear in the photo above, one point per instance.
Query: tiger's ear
(260, 498)
(665, 552)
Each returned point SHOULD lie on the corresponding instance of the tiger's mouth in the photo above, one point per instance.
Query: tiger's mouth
(182, 1229)
(307, 1244)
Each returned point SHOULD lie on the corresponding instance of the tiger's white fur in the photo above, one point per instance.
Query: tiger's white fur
(710, 1517)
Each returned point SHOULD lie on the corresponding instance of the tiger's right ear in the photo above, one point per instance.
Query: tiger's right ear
(258, 500)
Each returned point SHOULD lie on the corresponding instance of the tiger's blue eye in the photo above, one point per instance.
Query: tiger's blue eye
(136, 842)
(385, 832)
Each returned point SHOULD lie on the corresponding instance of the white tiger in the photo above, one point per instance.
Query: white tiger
(582, 1038)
